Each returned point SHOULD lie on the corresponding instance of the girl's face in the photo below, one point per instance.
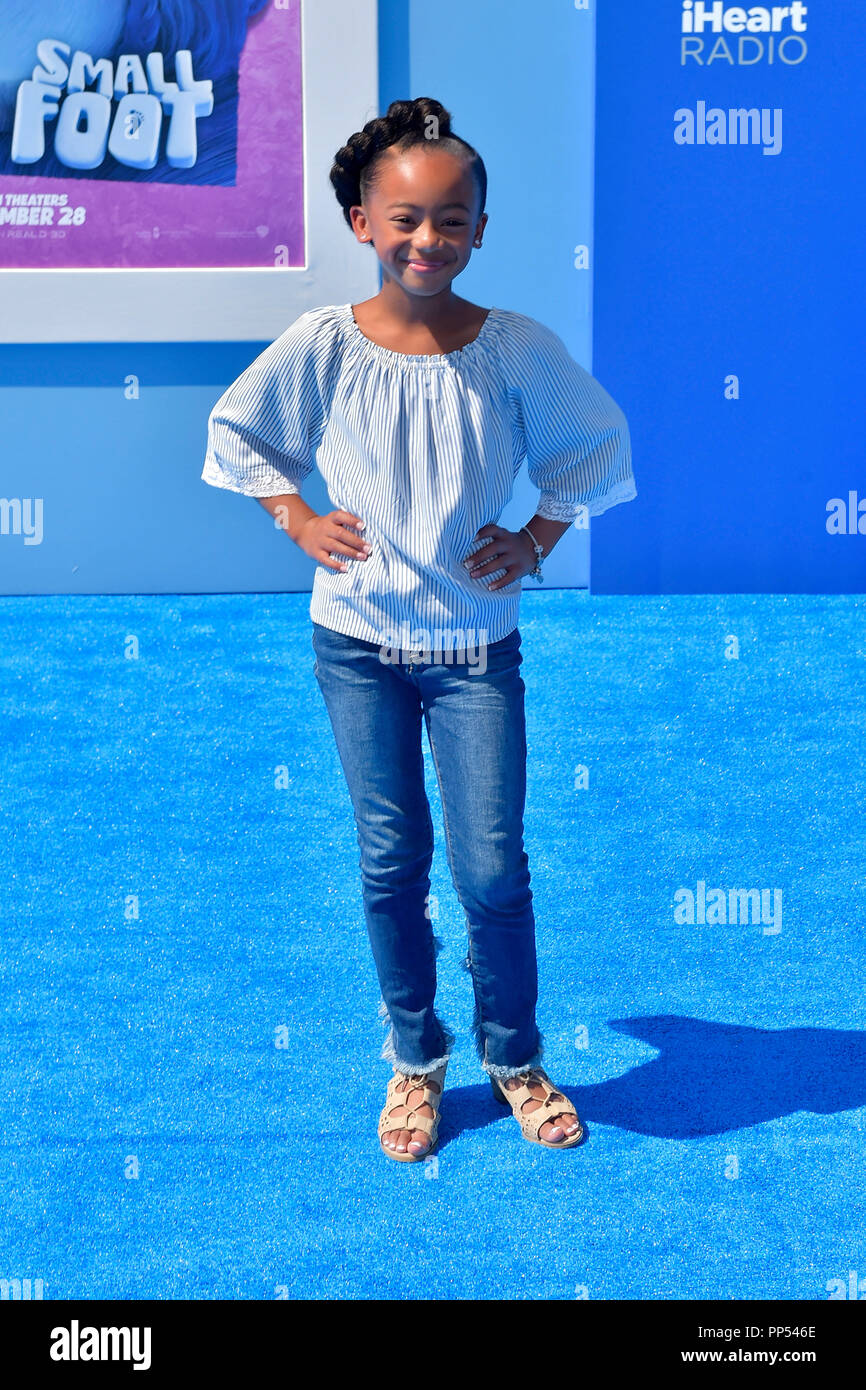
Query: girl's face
(421, 217)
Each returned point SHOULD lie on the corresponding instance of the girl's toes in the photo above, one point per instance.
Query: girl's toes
(551, 1132)
(402, 1140)
(419, 1143)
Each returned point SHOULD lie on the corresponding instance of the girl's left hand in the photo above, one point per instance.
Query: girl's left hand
(509, 550)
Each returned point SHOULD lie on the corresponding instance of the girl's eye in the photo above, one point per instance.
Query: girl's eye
(454, 221)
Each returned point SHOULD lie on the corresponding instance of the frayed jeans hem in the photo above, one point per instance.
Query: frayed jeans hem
(481, 1041)
(390, 1054)
(504, 1072)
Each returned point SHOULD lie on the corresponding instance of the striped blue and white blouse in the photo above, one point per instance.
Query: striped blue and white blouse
(425, 449)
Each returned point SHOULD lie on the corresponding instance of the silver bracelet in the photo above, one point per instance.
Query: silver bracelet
(539, 552)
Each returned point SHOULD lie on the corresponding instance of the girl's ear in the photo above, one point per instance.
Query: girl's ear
(354, 215)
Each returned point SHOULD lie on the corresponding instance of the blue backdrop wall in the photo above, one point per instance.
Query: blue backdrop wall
(121, 479)
(729, 295)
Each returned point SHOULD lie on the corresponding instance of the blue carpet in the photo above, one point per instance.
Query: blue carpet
(188, 1009)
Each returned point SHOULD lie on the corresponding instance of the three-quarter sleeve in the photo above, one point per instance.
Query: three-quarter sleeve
(578, 447)
(263, 430)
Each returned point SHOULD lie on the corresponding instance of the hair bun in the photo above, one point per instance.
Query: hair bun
(405, 116)
(406, 123)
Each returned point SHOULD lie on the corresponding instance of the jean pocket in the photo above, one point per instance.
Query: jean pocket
(505, 655)
(509, 643)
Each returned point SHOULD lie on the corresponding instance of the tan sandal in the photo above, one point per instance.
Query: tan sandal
(399, 1087)
(554, 1103)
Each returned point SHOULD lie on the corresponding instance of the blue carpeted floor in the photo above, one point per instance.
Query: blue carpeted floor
(188, 1009)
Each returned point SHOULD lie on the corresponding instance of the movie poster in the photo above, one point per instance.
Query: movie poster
(147, 134)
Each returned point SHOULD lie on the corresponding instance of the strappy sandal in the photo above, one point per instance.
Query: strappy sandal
(399, 1087)
(554, 1103)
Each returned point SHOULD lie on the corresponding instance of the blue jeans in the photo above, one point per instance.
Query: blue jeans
(474, 714)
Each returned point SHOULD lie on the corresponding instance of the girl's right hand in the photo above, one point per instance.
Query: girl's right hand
(322, 535)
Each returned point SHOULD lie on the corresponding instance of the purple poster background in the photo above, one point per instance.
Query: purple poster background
(132, 222)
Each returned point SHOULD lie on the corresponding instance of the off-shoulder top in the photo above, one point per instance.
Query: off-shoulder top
(425, 449)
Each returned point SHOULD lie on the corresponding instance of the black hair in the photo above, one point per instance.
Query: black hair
(405, 124)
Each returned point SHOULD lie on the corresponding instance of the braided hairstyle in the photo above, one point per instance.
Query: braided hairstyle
(423, 121)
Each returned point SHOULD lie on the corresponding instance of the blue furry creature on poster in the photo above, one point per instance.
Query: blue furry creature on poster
(134, 90)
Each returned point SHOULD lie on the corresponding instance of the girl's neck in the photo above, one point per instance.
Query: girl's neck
(415, 335)
(417, 314)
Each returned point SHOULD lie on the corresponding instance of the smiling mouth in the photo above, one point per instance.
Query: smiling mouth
(426, 265)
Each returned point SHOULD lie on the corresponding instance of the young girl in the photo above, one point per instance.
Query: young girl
(418, 408)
